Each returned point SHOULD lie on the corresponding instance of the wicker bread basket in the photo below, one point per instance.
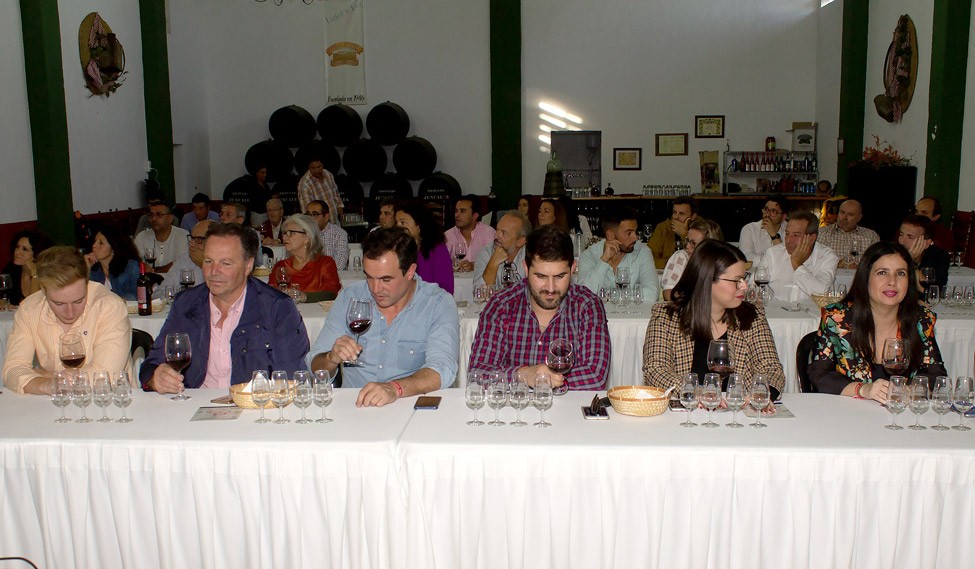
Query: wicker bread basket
(638, 400)
(824, 300)
(241, 393)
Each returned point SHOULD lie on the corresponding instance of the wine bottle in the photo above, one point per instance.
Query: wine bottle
(143, 292)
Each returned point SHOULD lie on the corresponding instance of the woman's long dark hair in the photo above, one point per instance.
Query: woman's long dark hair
(39, 241)
(561, 221)
(691, 297)
(431, 233)
(860, 315)
(123, 249)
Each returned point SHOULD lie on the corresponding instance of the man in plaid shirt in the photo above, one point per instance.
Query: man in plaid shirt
(335, 241)
(517, 325)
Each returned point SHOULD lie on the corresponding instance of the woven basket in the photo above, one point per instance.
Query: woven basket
(241, 394)
(823, 300)
(638, 400)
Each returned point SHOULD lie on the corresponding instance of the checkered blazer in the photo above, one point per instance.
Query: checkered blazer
(668, 353)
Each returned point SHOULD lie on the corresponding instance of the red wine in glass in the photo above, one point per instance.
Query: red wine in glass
(179, 353)
(179, 363)
(72, 350)
(359, 326)
(72, 362)
(359, 319)
(719, 358)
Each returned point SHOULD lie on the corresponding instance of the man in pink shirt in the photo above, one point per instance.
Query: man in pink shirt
(467, 235)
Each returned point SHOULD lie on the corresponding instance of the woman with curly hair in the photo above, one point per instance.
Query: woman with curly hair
(433, 261)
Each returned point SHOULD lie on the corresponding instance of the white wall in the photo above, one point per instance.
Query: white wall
(106, 135)
(909, 136)
(633, 68)
(17, 187)
(966, 186)
(829, 62)
(429, 56)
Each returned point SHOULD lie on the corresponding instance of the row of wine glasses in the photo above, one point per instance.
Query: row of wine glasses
(103, 388)
(941, 397)
(708, 394)
(621, 296)
(303, 389)
(497, 395)
(950, 295)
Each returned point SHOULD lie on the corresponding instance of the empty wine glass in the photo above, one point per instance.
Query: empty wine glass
(169, 294)
(758, 398)
(122, 394)
(963, 399)
(357, 264)
(689, 397)
(895, 356)
(260, 393)
(481, 295)
(638, 295)
(497, 398)
(969, 295)
(280, 394)
(101, 390)
(6, 285)
(303, 394)
(735, 397)
(559, 360)
(358, 317)
(941, 400)
(61, 393)
(711, 396)
(896, 400)
(179, 354)
(841, 290)
(474, 398)
(519, 399)
(81, 394)
(542, 399)
(933, 295)
(945, 295)
(919, 401)
(322, 393)
(186, 279)
(957, 296)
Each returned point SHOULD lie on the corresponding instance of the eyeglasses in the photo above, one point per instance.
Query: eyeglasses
(771, 211)
(314, 213)
(292, 232)
(197, 240)
(742, 280)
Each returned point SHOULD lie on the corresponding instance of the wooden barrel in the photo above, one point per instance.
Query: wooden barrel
(415, 158)
(440, 187)
(339, 125)
(326, 153)
(275, 155)
(388, 123)
(350, 191)
(292, 126)
(287, 190)
(365, 160)
(391, 185)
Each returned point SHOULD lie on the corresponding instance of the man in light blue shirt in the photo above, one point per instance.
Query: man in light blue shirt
(621, 249)
(412, 345)
(508, 252)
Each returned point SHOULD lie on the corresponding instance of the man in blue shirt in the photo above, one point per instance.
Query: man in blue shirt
(599, 265)
(411, 347)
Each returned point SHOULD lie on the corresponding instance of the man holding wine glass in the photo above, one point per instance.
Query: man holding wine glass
(165, 241)
(545, 324)
(467, 234)
(406, 330)
(192, 262)
(800, 267)
(234, 323)
(92, 321)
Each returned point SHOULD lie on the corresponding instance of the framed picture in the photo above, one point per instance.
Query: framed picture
(803, 137)
(709, 126)
(671, 144)
(627, 158)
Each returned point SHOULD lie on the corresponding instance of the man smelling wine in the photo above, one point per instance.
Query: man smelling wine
(70, 323)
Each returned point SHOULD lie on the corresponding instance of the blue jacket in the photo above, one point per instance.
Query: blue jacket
(270, 335)
(122, 284)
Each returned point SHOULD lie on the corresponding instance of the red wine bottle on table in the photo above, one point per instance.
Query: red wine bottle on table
(143, 292)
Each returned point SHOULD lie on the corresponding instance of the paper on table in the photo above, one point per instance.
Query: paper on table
(781, 412)
(216, 414)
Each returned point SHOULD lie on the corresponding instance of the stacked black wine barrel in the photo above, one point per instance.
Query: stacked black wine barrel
(367, 169)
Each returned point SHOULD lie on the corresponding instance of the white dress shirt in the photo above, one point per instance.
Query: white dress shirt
(812, 277)
(755, 240)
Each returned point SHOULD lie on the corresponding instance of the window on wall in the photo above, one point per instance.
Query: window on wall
(825, 2)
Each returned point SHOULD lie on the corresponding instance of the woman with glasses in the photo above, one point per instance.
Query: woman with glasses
(433, 262)
(305, 264)
(708, 303)
(114, 262)
(699, 230)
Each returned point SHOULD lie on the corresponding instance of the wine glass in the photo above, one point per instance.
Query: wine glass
(303, 395)
(963, 398)
(969, 295)
(150, 256)
(720, 360)
(6, 285)
(179, 353)
(919, 401)
(284, 279)
(280, 394)
(933, 295)
(927, 277)
(322, 393)
(122, 394)
(559, 360)
(854, 259)
(604, 294)
(481, 294)
(957, 296)
(81, 394)
(509, 276)
(758, 398)
(61, 393)
(941, 400)
(186, 279)
(359, 318)
(638, 295)
(169, 294)
(896, 400)
(688, 397)
(542, 399)
(459, 252)
(101, 389)
(497, 398)
(945, 295)
(735, 397)
(841, 290)
(762, 277)
(895, 356)
(711, 396)
(72, 350)
(260, 393)
(357, 264)
(519, 399)
(622, 279)
(474, 398)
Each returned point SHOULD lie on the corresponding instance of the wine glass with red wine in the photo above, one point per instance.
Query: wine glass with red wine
(895, 356)
(72, 350)
(359, 319)
(179, 353)
(559, 360)
(720, 360)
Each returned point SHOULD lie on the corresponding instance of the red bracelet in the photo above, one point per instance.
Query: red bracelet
(399, 389)
(856, 391)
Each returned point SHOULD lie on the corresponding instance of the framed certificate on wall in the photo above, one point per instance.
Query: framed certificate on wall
(671, 144)
(709, 126)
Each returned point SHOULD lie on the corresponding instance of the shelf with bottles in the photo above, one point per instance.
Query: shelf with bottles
(750, 163)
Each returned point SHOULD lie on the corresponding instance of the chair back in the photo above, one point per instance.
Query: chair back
(141, 346)
(803, 352)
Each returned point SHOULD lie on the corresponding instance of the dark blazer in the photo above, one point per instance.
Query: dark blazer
(938, 258)
(270, 335)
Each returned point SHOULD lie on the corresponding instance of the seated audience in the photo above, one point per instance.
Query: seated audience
(523, 206)
(335, 241)
(192, 261)
(113, 255)
(236, 323)
(412, 345)
(846, 238)
(550, 212)
(930, 207)
(162, 237)
(620, 249)
(508, 253)
(387, 212)
(270, 230)
(577, 223)
(25, 246)
(433, 262)
(830, 210)
(669, 236)
(699, 230)
(758, 236)
(519, 323)
(306, 265)
(883, 302)
(917, 236)
(201, 210)
(69, 303)
(800, 267)
(708, 303)
(468, 233)
(258, 194)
